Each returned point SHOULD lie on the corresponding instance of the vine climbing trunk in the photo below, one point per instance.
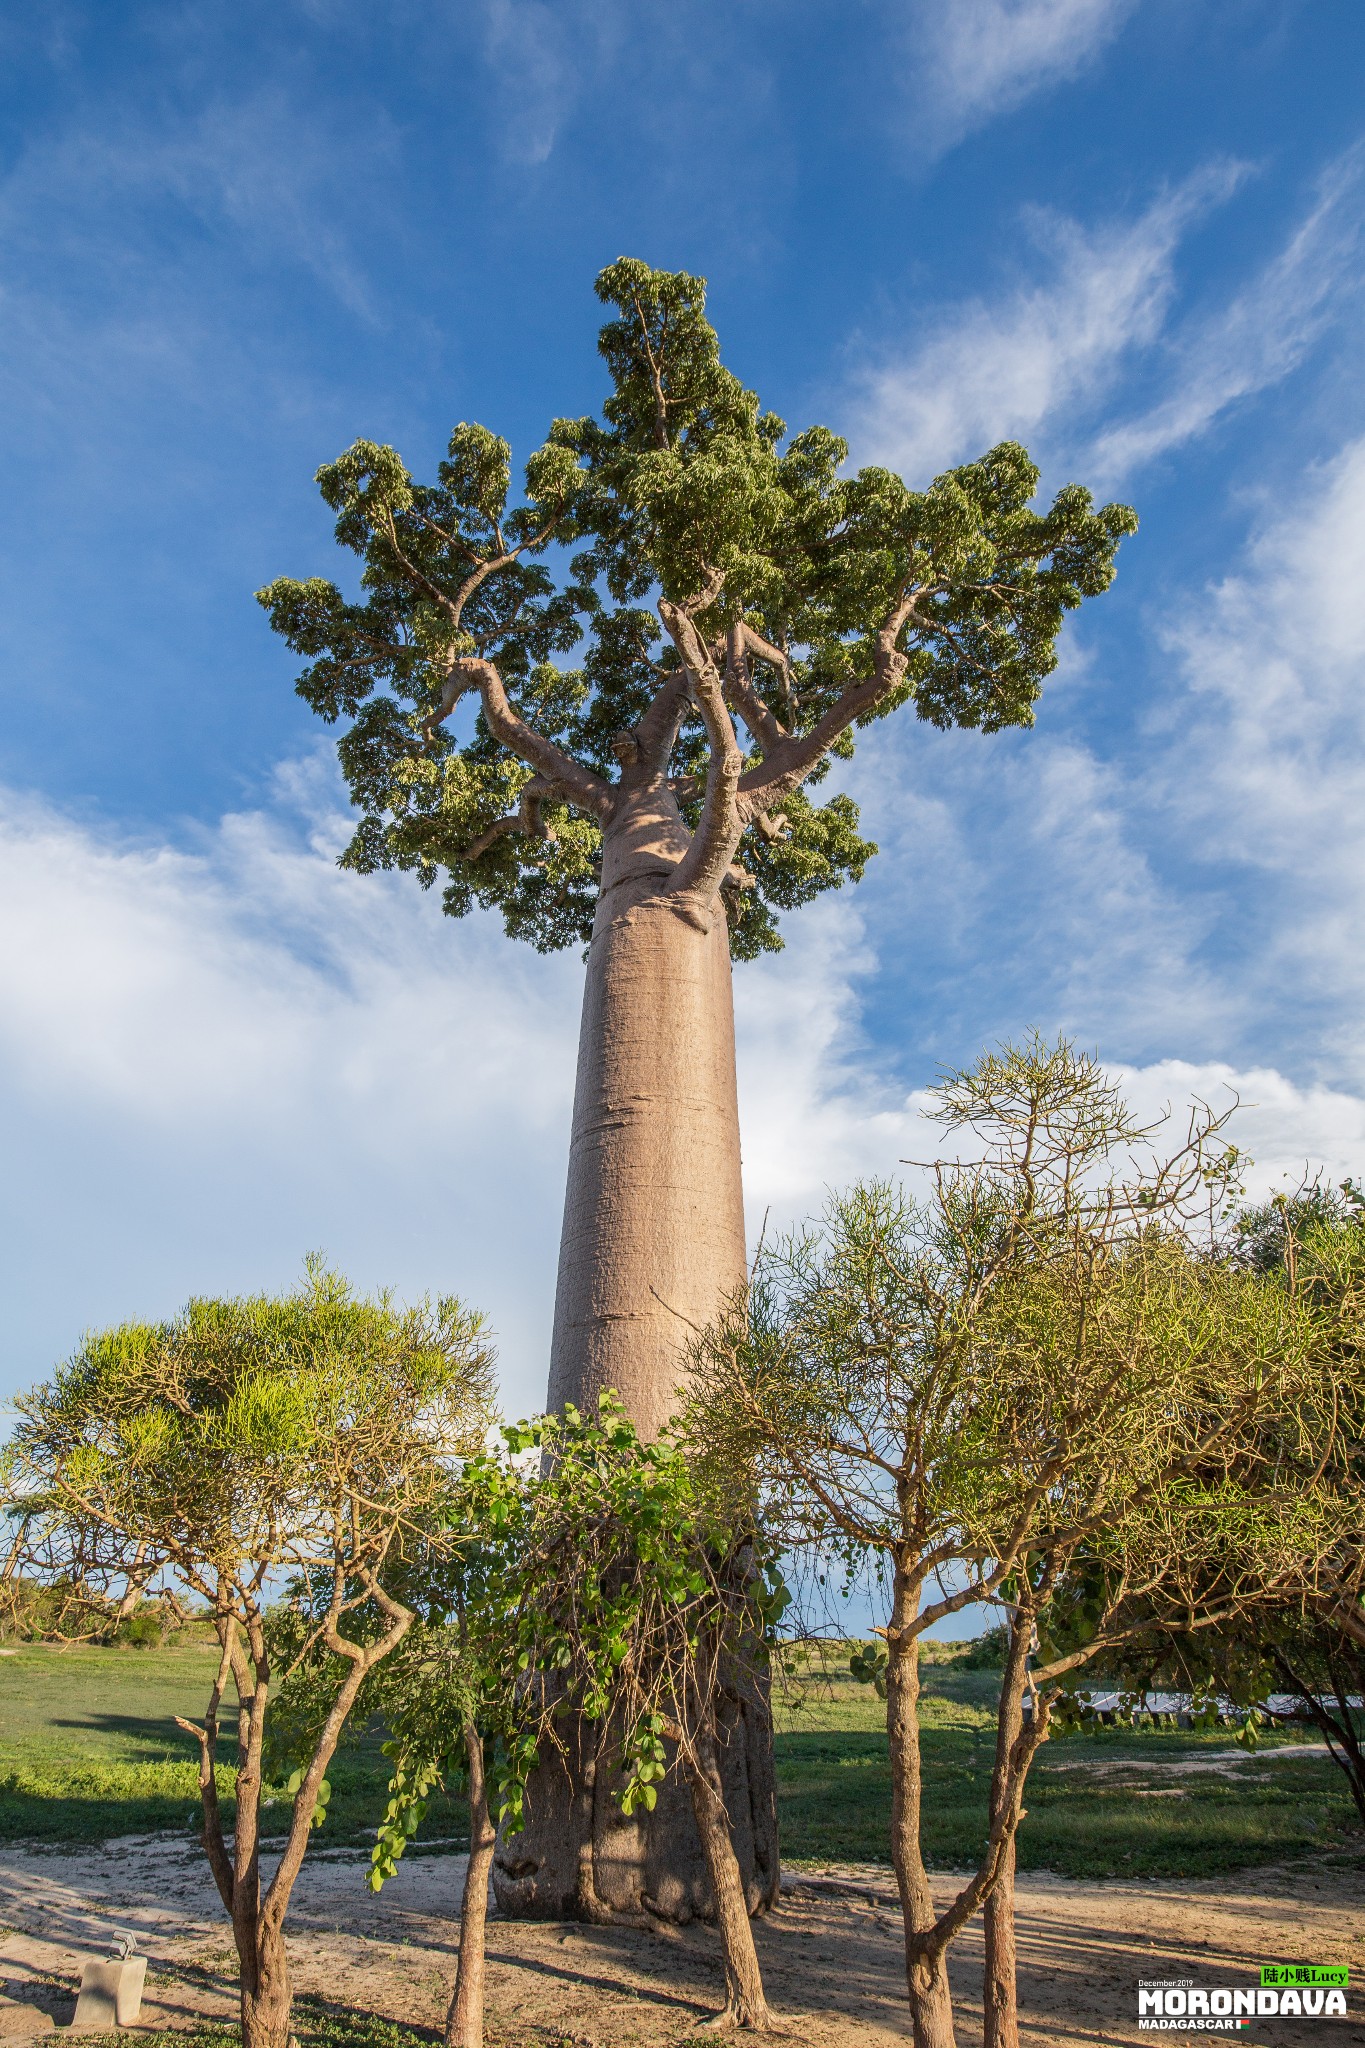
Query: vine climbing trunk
(652, 1247)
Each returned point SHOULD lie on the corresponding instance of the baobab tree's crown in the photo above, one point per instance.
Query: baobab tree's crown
(827, 600)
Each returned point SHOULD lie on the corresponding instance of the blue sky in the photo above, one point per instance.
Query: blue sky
(234, 238)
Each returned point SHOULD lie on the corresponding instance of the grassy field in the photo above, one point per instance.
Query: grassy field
(1115, 1803)
(89, 1749)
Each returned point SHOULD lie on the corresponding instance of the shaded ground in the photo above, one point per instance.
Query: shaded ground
(831, 1953)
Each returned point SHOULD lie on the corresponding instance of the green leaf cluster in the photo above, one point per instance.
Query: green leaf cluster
(224, 1443)
(580, 1572)
(682, 489)
(1038, 1367)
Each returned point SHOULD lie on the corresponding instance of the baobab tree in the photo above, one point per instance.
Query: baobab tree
(735, 610)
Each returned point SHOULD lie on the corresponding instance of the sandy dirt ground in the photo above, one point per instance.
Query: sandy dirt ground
(831, 1953)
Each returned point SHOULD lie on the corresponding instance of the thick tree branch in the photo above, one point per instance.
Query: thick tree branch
(526, 819)
(657, 732)
(215, 1847)
(703, 867)
(579, 784)
(453, 607)
(786, 765)
(740, 692)
(1003, 1828)
(362, 1660)
(701, 599)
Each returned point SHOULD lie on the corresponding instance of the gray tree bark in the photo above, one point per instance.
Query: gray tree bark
(653, 1245)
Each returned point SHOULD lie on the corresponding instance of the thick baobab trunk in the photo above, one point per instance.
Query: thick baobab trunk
(652, 1247)
(653, 1238)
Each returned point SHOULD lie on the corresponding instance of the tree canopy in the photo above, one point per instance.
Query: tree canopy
(317, 1433)
(671, 567)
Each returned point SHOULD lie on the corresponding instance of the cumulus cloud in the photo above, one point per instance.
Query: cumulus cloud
(217, 1059)
(215, 1055)
(214, 1059)
(1290, 1131)
(979, 58)
(1189, 889)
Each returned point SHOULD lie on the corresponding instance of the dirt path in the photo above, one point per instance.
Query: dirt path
(831, 1953)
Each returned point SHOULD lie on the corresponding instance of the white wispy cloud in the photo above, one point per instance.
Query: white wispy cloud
(542, 58)
(259, 172)
(1266, 765)
(989, 370)
(975, 59)
(1045, 359)
(1264, 333)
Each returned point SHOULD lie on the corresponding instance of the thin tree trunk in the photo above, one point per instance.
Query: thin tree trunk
(588, 1905)
(745, 2004)
(1337, 1729)
(464, 2021)
(263, 1964)
(267, 1998)
(926, 1968)
(132, 1595)
(653, 1239)
(1001, 1984)
(1001, 1988)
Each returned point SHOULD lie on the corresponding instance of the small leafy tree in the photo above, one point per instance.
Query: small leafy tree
(588, 1599)
(647, 1606)
(1030, 1378)
(1312, 1246)
(1305, 1638)
(451, 1694)
(240, 1441)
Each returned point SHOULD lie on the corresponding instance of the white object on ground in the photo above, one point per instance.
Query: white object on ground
(111, 1994)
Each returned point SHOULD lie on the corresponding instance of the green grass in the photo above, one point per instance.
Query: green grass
(313, 2023)
(89, 1749)
(834, 1791)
